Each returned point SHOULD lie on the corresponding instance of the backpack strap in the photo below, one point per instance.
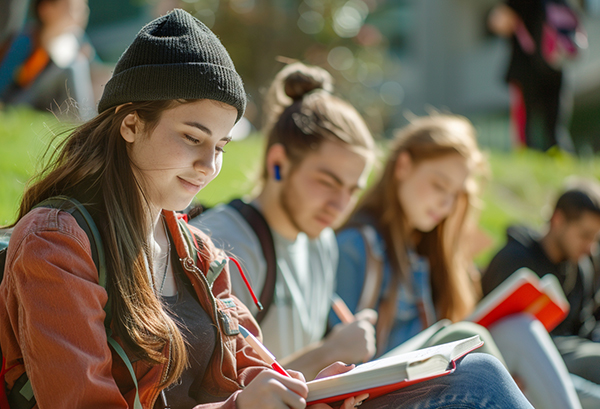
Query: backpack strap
(21, 395)
(372, 286)
(262, 230)
(373, 269)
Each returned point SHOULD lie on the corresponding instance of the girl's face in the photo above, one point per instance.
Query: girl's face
(428, 190)
(182, 154)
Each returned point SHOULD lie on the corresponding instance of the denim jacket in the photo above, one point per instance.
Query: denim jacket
(412, 296)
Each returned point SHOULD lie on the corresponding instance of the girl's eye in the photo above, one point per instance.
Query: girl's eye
(220, 149)
(192, 140)
(439, 187)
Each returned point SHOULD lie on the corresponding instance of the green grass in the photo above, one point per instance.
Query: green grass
(521, 186)
(24, 135)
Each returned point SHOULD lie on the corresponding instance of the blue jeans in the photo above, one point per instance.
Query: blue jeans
(479, 382)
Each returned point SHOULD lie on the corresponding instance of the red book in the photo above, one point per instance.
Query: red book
(524, 292)
(391, 373)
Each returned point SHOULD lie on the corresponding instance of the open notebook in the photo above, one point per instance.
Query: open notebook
(388, 374)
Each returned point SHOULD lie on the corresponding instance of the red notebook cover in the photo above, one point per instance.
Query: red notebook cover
(374, 392)
(524, 292)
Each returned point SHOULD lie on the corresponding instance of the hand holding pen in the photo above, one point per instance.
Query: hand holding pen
(354, 339)
(290, 389)
(261, 350)
(267, 391)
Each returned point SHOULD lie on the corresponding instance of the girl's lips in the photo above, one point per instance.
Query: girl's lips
(191, 187)
(435, 217)
(325, 221)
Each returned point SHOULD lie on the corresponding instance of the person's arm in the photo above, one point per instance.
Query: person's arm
(354, 342)
(351, 343)
(502, 265)
(503, 20)
(12, 18)
(59, 319)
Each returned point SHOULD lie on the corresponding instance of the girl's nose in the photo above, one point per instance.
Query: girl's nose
(207, 162)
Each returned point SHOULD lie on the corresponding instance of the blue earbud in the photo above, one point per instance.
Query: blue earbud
(277, 172)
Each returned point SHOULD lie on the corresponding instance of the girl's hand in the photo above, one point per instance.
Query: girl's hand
(335, 369)
(270, 390)
(350, 403)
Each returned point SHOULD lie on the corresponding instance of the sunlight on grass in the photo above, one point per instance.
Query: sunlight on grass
(24, 135)
(522, 187)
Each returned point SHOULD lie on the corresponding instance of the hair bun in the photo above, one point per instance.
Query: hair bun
(291, 84)
(299, 79)
(299, 83)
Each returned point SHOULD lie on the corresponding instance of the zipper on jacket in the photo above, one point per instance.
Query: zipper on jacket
(190, 266)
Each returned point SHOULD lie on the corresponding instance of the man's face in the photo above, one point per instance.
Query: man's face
(576, 238)
(322, 189)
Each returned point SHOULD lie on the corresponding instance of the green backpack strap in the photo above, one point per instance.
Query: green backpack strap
(189, 239)
(21, 395)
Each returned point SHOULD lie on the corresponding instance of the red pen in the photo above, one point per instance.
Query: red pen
(262, 351)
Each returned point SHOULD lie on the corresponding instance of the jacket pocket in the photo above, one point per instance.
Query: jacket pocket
(227, 311)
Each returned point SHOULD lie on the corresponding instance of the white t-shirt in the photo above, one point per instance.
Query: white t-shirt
(305, 280)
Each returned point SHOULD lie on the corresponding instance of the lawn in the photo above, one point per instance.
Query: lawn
(521, 185)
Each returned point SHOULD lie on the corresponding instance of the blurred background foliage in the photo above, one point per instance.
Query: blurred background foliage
(337, 35)
(390, 59)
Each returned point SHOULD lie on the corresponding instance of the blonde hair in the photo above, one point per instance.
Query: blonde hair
(454, 291)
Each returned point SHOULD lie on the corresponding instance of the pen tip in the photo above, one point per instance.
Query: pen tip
(243, 331)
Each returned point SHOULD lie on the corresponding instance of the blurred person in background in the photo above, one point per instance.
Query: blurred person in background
(564, 250)
(48, 62)
(543, 35)
(11, 21)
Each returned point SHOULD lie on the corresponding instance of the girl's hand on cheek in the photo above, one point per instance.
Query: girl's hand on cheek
(270, 390)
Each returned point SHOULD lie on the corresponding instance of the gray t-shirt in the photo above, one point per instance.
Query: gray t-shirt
(305, 278)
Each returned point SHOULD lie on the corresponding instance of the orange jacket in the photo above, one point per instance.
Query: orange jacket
(52, 321)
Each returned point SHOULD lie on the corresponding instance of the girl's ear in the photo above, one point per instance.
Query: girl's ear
(131, 127)
(404, 166)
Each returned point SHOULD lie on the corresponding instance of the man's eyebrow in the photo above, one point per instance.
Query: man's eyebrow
(337, 180)
(199, 126)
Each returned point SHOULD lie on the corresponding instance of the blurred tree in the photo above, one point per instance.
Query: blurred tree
(334, 34)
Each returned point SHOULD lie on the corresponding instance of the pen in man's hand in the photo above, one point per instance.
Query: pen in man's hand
(341, 309)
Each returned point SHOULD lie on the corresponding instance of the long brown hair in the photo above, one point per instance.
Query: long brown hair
(301, 113)
(426, 138)
(92, 163)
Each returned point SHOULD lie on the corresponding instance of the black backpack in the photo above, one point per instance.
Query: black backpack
(21, 395)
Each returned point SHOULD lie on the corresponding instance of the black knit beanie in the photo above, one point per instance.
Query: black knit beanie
(175, 57)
